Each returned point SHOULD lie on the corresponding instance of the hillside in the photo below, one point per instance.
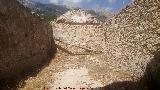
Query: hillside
(101, 15)
(47, 12)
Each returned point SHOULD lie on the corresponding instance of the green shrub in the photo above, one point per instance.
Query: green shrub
(49, 16)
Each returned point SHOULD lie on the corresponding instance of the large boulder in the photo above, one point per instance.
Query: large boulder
(25, 41)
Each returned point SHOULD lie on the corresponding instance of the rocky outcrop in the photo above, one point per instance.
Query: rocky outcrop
(25, 41)
(132, 36)
(76, 36)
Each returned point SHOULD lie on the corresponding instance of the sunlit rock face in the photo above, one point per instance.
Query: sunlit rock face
(132, 37)
(25, 41)
(78, 32)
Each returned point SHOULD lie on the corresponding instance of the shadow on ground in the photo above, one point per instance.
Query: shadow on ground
(150, 80)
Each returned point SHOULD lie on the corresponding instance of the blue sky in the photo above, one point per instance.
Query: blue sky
(109, 5)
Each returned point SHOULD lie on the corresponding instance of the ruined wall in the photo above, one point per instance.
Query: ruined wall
(78, 32)
(25, 41)
(132, 37)
(79, 38)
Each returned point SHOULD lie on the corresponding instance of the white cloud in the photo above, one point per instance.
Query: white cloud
(112, 1)
(98, 8)
(74, 3)
(54, 1)
(108, 9)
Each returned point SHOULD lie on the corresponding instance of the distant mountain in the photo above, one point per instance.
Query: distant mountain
(45, 11)
(100, 15)
(52, 11)
(58, 9)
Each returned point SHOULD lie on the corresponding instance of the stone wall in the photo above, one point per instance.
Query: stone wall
(132, 37)
(79, 39)
(25, 41)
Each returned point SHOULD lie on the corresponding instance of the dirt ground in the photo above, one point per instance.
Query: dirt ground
(78, 72)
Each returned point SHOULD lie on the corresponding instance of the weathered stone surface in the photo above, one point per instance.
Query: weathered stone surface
(78, 36)
(128, 39)
(79, 39)
(25, 41)
(132, 36)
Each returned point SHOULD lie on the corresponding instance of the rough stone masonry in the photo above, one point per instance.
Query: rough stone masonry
(128, 40)
(133, 37)
(25, 41)
(79, 33)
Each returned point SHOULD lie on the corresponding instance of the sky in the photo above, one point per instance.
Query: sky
(108, 5)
